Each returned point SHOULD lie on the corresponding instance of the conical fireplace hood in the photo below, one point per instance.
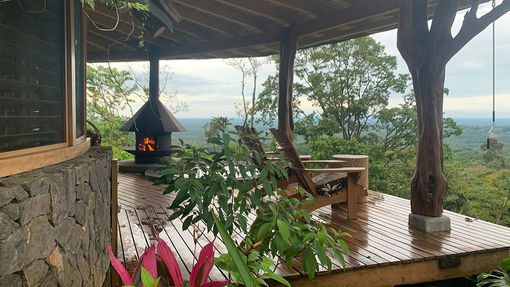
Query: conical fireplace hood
(153, 117)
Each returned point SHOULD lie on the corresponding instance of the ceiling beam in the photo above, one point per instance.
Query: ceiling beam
(306, 7)
(347, 16)
(223, 12)
(109, 40)
(256, 9)
(193, 16)
(98, 46)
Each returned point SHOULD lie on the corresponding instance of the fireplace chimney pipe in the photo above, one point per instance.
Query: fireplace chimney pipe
(153, 54)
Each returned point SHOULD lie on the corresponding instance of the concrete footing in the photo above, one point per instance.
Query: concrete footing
(429, 223)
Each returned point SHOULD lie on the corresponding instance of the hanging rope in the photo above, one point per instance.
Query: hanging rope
(491, 134)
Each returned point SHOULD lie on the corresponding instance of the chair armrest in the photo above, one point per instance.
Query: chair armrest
(323, 161)
(338, 169)
(305, 157)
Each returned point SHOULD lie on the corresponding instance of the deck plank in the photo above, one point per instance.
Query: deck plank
(381, 238)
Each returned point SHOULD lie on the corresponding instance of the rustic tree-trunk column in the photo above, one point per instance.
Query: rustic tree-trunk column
(288, 46)
(426, 52)
(428, 187)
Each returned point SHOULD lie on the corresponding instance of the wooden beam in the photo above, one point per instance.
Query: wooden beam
(226, 13)
(288, 47)
(213, 46)
(106, 41)
(96, 45)
(401, 274)
(256, 9)
(347, 16)
(355, 31)
(193, 16)
(303, 6)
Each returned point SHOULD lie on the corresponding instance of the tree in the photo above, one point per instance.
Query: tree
(108, 93)
(216, 126)
(426, 52)
(348, 82)
(249, 67)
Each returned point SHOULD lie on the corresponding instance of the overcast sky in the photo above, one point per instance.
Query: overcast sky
(212, 88)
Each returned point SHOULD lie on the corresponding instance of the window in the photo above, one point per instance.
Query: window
(80, 68)
(42, 83)
(32, 72)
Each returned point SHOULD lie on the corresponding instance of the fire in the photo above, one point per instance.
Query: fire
(148, 145)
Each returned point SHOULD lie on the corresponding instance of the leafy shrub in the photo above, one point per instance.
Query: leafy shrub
(497, 278)
(227, 182)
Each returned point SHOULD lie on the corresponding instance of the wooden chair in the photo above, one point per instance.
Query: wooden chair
(250, 138)
(332, 176)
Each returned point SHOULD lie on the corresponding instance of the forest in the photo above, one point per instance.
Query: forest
(349, 85)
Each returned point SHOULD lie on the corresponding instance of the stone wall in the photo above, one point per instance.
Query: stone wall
(55, 223)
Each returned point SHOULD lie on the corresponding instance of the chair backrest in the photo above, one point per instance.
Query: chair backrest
(250, 138)
(295, 162)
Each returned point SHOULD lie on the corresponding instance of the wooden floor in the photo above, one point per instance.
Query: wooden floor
(384, 250)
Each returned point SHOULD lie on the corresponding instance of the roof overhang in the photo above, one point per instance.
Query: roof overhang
(234, 28)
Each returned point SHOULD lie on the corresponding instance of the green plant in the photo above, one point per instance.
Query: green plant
(284, 229)
(238, 264)
(497, 278)
(224, 180)
(227, 182)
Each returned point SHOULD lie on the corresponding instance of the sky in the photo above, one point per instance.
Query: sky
(213, 88)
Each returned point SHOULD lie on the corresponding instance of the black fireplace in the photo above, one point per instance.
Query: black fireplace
(153, 124)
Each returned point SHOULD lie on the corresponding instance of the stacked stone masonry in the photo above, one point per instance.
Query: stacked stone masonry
(55, 223)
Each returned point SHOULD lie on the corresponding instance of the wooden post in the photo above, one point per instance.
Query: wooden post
(114, 277)
(352, 190)
(288, 46)
(115, 204)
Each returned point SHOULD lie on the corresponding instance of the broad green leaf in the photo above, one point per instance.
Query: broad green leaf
(309, 263)
(340, 257)
(306, 215)
(320, 237)
(344, 247)
(277, 278)
(244, 272)
(242, 222)
(264, 229)
(308, 237)
(321, 254)
(283, 227)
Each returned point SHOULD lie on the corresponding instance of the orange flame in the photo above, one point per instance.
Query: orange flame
(148, 144)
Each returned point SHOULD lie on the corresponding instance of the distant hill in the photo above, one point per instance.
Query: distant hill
(195, 131)
(474, 135)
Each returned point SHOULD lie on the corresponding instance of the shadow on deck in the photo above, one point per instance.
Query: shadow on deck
(384, 250)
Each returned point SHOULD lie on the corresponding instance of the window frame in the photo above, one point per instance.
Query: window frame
(22, 160)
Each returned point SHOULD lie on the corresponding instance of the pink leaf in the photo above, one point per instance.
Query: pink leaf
(216, 283)
(165, 253)
(124, 275)
(201, 270)
(149, 261)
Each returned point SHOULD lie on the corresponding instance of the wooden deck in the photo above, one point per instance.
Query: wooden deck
(384, 250)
